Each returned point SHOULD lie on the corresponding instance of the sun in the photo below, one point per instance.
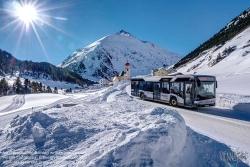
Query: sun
(30, 17)
(26, 13)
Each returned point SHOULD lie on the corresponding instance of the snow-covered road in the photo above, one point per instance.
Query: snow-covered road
(227, 126)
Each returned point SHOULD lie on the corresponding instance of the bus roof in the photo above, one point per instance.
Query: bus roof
(170, 77)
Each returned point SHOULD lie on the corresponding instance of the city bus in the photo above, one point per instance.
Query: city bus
(177, 89)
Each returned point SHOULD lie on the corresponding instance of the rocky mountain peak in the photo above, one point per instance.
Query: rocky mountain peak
(123, 32)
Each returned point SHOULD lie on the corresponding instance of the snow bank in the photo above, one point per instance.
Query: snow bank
(233, 101)
(158, 144)
(201, 150)
(107, 129)
(30, 125)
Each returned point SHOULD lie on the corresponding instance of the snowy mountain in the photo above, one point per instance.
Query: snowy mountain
(229, 62)
(236, 26)
(108, 55)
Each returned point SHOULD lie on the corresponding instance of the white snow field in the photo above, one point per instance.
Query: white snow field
(42, 99)
(5, 101)
(20, 102)
(109, 129)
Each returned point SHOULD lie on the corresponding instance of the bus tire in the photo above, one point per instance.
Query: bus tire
(173, 101)
(142, 96)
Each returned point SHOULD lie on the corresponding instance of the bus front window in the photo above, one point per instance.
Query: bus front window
(206, 90)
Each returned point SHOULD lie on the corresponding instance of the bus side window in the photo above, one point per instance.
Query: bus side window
(150, 86)
(165, 87)
(142, 86)
(175, 88)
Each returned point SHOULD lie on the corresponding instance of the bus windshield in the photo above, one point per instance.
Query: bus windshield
(205, 91)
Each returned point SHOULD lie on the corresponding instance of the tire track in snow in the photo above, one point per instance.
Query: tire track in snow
(17, 102)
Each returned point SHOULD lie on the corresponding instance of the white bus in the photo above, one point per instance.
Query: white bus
(177, 90)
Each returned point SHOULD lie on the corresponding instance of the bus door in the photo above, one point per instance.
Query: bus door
(188, 94)
(156, 92)
(136, 88)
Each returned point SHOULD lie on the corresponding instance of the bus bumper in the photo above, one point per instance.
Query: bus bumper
(209, 102)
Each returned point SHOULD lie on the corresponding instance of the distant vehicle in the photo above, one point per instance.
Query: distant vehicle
(177, 89)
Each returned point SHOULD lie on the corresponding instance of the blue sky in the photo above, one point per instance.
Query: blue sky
(177, 25)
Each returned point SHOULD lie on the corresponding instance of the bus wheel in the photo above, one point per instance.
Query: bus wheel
(142, 96)
(173, 101)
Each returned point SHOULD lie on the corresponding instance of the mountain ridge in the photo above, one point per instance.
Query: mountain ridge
(9, 64)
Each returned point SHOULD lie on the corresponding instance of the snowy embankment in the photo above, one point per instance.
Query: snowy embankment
(233, 101)
(107, 129)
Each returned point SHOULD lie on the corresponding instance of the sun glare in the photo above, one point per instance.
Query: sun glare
(27, 13)
(30, 15)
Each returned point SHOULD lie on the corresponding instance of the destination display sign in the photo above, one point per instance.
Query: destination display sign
(165, 79)
(207, 78)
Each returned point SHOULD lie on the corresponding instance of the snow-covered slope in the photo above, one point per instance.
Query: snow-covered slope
(229, 62)
(109, 54)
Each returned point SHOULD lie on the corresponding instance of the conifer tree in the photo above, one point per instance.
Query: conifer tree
(40, 87)
(18, 86)
(3, 86)
(55, 90)
(49, 89)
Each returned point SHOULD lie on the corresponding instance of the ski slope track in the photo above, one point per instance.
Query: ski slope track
(17, 102)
